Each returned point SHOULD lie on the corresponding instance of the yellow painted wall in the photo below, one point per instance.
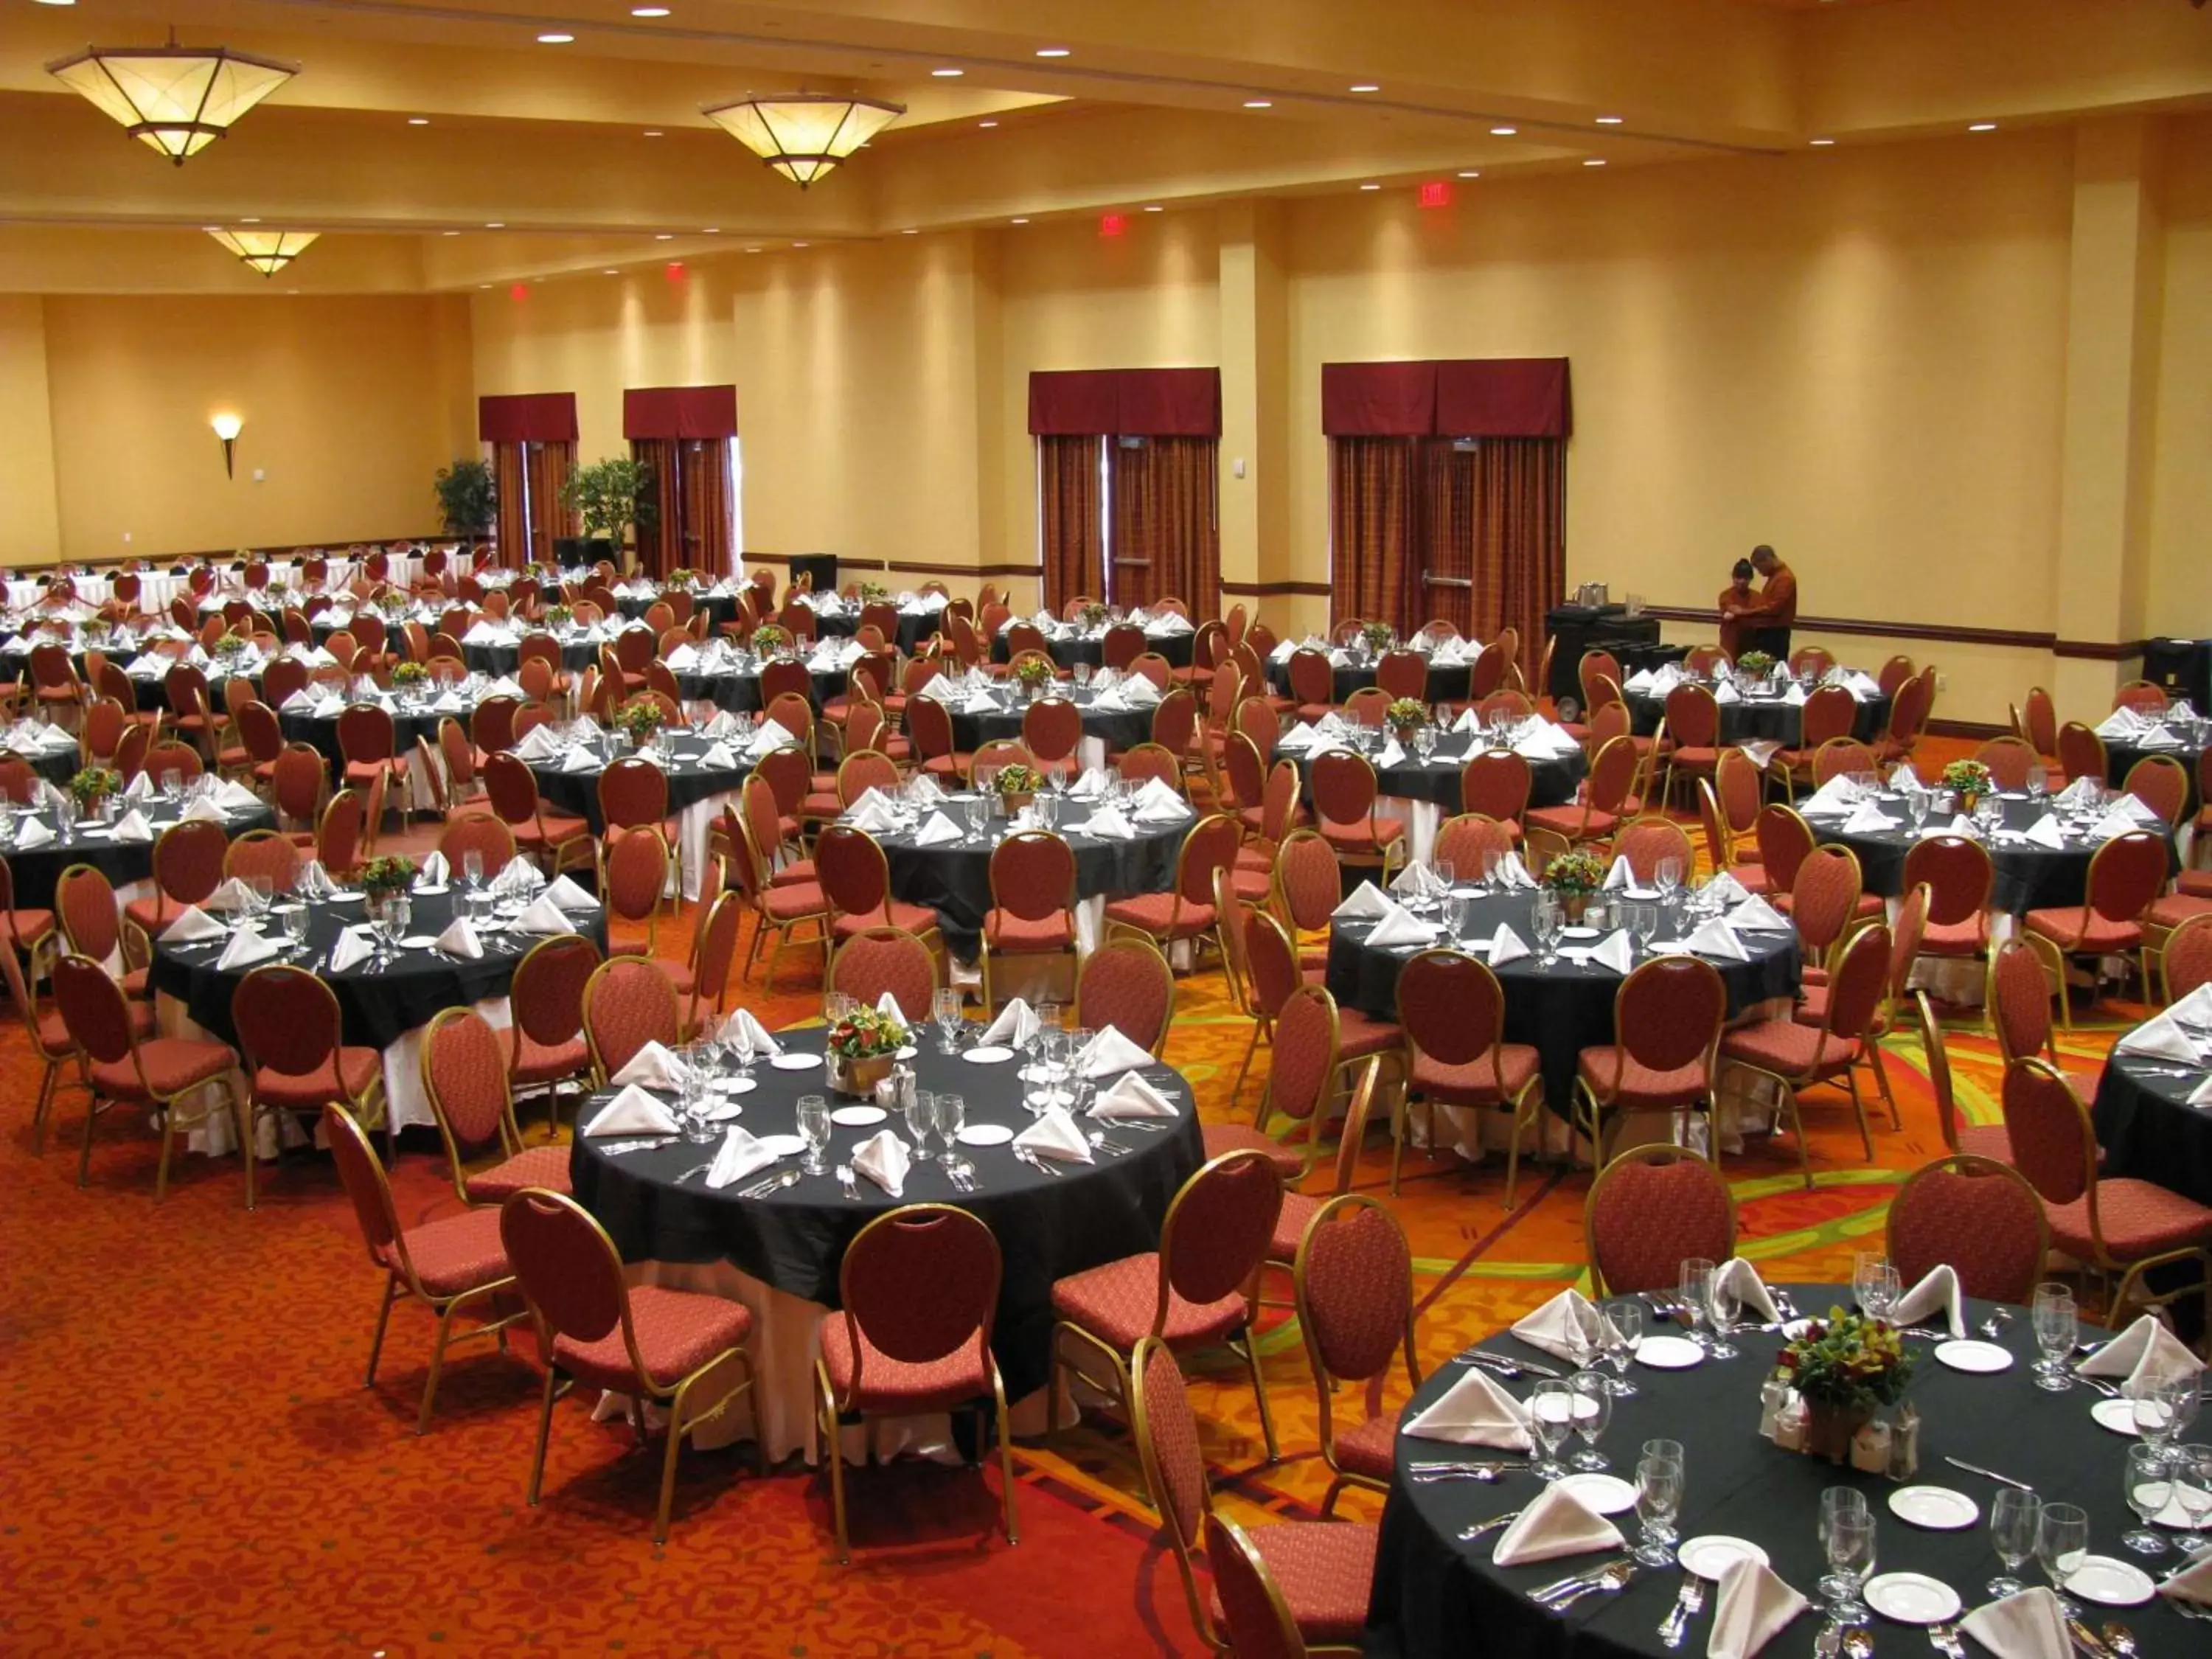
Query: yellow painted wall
(27, 452)
(342, 399)
(2179, 599)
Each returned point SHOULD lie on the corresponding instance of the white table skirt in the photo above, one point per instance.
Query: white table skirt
(693, 826)
(157, 588)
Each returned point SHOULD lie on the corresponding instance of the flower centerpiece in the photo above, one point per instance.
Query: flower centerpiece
(410, 676)
(863, 1047)
(1574, 877)
(1017, 784)
(381, 877)
(559, 615)
(1845, 1368)
(873, 591)
(1406, 716)
(1093, 615)
(1378, 635)
(534, 570)
(392, 603)
(277, 593)
(638, 718)
(1969, 779)
(92, 784)
(770, 638)
(683, 577)
(95, 631)
(1755, 665)
(1034, 673)
(231, 647)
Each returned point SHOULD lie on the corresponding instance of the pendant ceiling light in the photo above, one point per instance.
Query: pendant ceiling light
(178, 99)
(267, 251)
(803, 134)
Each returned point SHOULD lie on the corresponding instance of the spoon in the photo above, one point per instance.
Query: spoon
(1994, 1325)
(2120, 1639)
(1858, 1644)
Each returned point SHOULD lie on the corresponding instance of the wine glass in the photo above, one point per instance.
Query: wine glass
(472, 868)
(1834, 1501)
(1865, 1266)
(2014, 1516)
(1724, 1306)
(945, 1009)
(951, 1118)
(978, 811)
(1545, 919)
(1878, 1297)
(1658, 1500)
(1446, 872)
(1493, 861)
(398, 912)
(296, 927)
(1624, 1329)
(1593, 1413)
(1695, 1292)
(2056, 1327)
(1667, 874)
(2192, 1484)
(814, 1129)
(2147, 1486)
(919, 1110)
(2061, 1538)
(1851, 1549)
(1553, 1404)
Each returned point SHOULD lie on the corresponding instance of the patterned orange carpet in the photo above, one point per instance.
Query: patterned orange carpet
(193, 1467)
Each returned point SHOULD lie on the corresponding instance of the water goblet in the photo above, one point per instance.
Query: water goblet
(2061, 1538)
(920, 1109)
(1552, 1406)
(1851, 1551)
(1493, 861)
(951, 1118)
(2013, 1518)
(1624, 1329)
(1545, 919)
(1880, 1292)
(1834, 1501)
(472, 868)
(263, 888)
(2147, 1485)
(398, 912)
(296, 927)
(1865, 1266)
(945, 1009)
(977, 808)
(1658, 1500)
(2191, 1467)
(2055, 1328)
(1667, 874)
(1593, 1413)
(1695, 1292)
(1723, 1306)
(814, 1129)
(1456, 907)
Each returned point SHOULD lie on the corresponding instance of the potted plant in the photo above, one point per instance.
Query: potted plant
(1033, 674)
(638, 718)
(92, 787)
(863, 1047)
(609, 496)
(1845, 1368)
(381, 877)
(1574, 877)
(1755, 665)
(1093, 615)
(1405, 716)
(684, 576)
(410, 677)
(1017, 784)
(231, 647)
(468, 497)
(1969, 779)
(770, 638)
(1378, 635)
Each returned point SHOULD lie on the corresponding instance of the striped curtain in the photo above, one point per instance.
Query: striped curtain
(660, 546)
(1376, 543)
(1167, 525)
(510, 476)
(1069, 544)
(550, 465)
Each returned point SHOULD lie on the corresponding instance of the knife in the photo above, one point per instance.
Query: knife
(2086, 1639)
(1976, 1469)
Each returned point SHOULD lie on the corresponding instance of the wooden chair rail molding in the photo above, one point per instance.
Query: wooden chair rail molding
(1931, 633)
(17, 569)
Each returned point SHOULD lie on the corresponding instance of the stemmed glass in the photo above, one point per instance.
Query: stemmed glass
(1552, 1406)
(1658, 1501)
(2192, 1484)
(1725, 1305)
(1695, 1292)
(2056, 1327)
(814, 1129)
(398, 912)
(1624, 1329)
(2014, 1516)
(1666, 874)
(1593, 1413)
(472, 868)
(977, 808)
(1447, 876)
(2147, 1486)
(920, 1112)
(951, 1118)
(2061, 1538)
(1493, 861)
(945, 1009)
(1545, 919)
(1835, 1501)
(296, 927)
(1850, 1546)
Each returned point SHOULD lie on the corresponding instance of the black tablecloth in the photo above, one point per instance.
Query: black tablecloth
(380, 1006)
(2148, 1129)
(2121, 758)
(2028, 877)
(56, 765)
(1758, 718)
(1562, 1009)
(1071, 649)
(1116, 728)
(1451, 684)
(416, 719)
(1431, 1591)
(577, 793)
(576, 655)
(739, 693)
(151, 694)
(1551, 781)
(38, 870)
(1047, 1226)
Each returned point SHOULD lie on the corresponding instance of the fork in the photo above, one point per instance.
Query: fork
(1687, 1606)
(1043, 1166)
(1608, 1581)
(1468, 1535)
(1944, 1638)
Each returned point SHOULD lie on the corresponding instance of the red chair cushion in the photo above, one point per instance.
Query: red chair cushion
(1360, 837)
(914, 918)
(348, 1076)
(1117, 1303)
(2064, 923)
(1291, 1226)
(1986, 1140)
(677, 1331)
(2139, 1218)
(455, 1252)
(1370, 1450)
(1155, 914)
(1474, 1084)
(2178, 908)
(1789, 1049)
(1011, 934)
(173, 1064)
(1969, 938)
(797, 903)
(554, 831)
(546, 1062)
(1638, 1086)
(1360, 1036)
(894, 1385)
(1324, 1570)
(1221, 1138)
(537, 1166)
(53, 1030)
(1568, 821)
(794, 874)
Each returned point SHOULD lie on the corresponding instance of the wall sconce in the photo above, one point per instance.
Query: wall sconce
(227, 427)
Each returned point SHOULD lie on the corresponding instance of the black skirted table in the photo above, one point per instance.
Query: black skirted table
(1432, 1591)
(2147, 1128)
(38, 870)
(1758, 718)
(55, 761)
(578, 653)
(576, 793)
(1117, 727)
(738, 689)
(1448, 682)
(2028, 877)
(413, 719)
(1072, 647)
(2121, 755)
(1553, 778)
(1560, 1010)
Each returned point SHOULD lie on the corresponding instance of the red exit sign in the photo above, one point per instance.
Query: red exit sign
(1435, 193)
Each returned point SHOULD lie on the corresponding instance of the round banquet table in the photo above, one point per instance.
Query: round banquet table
(1758, 718)
(413, 719)
(1116, 728)
(2120, 758)
(1553, 780)
(720, 607)
(1560, 1010)
(1451, 683)
(954, 878)
(2028, 877)
(38, 870)
(794, 1241)
(56, 762)
(1071, 649)
(695, 795)
(2147, 1128)
(577, 654)
(1432, 1590)
(738, 690)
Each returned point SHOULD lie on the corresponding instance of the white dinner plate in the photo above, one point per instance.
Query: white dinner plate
(984, 1134)
(1607, 1494)
(2175, 1516)
(907, 1053)
(1937, 1507)
(346, 898)
(734, 1086)
(1973, 1356)
(1578, 933)
(1711, 1556)
(1911, 1598)
(858, 1117)
(417, 942)
(1641, 895)
(2110, 1581)
(783, 1145)
(724, 1111)
(2117, 1415)
(433, 892)
(1668, 1353)
(794, 1062)
(987, 1053)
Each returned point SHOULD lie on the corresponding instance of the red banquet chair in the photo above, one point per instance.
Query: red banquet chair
(1256, 1611)
(1185, 910)
(877, 960)
(1667, 1019)
(1453, 1012)
(292, 1037)
(1976, 1216)
(1353, 1277)
(545, 1043)
(1126, 983)
(1032, 910)
(1345, 810)
(1649, 1210)
(2125, 877)
(1495, 783)
(465, 1078)
(856, 880)
(628, 1003)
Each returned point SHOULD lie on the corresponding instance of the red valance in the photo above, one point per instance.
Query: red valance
(680, 411)
(1460, 398)
(1150, 403)
(534, 417)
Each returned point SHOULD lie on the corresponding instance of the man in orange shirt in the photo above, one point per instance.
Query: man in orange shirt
(1736, 595)
(1767, 617)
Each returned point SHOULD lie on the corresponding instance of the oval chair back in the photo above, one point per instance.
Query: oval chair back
(1669, 1011)
(1309, 880)
(338, 834)
(2019, 1002)
(1649, 1210)
(1353, 1286)
(1978, 1216)
(1785, 840)
(629, 1001)
(1466, 842)
(880, 959)
(2080, 752)
(2125, 876)
(1823, 898)
(1126, 983)
(1255, 1615)
(286, 1021)
(2185, 961)
(634, 865)
(1452, 1010)
(1495, 782)
(188, 861)
(2052, 1142)
(1301, 1070)
(2161, 783)
(918, 1285)
(1958, 874)
(855, 876)
(1052, 729)
(546, 995)
(264, 852)
(488, 837)
(1217, 1231)
(2012, 761)
(1649, 841)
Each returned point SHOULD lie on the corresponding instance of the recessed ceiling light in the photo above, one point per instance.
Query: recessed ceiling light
(1020, 221)
(1982, 127)
(1471, 172)
(948, 74)
(249, 221)
(711, 230)
(648, 11)
(1608, 120)
(652, 132)
(1504, 132)
(494, 224)
(1052, 51)
(556, 39)
(1154, 207)
(1370, 186)
(611, 272)
(987, 124)
(799, 245)
(449, 232)
(909, 231)
(483, 284)
(1821, 143)
(418, 120)
(665, 236)
(752, 250)
(1593, 160)
(1365, 86)
(1258, 103)
(58, 3)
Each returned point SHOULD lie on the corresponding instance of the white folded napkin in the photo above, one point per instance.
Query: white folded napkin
(1366, 900)
(1110, 701)
(1569, 1326)
(231, 793)
(1400, 926)
(451, 703)
(1475, 1410)
(2136, 810)
(1107, 824)
(1514, 874)
(2122, 722)
(1416, 881)
(1738, 1275)
(486, 633)
(979, 702)
(683, 660)
(1938, 1290)
(1717, 938)
(744, 1030)
(538, 744)
(1761, 750)
(565, 893)
(633, 1112)
(1834, 797)
(2193, 1582)
(541, 917)
(299, 702)
(936, 830)
(245, 948)
(205, 811)
(1133, 1097)
(1756, 915)
(1391, 755)
(518, 880)
(580, 759)
(885, 1159)
(2142, 1353)
(2158, 737)
(1110, 1052)
(132, 827)
(1141, 692)
(1157, 803)
(435, 871)
(1728, 889)
(460, 940)
(1617, 952)
(740, 1155)
(1016, 1024)
(1506, 945)
(1867, 816)
(140, 788)
(2113, 824)
(1619, 876)
(1556, 1522)
(718, 756)
(654, 1067)
(769, 735)
(584, 728)
(350, 949)
(232, 895)
(1054, 1134)
(2028, 1625)
(2161, 1037)
(873, 812)
(725, 724)
(1795, 697)
(194, 924)
(1751, 1609)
